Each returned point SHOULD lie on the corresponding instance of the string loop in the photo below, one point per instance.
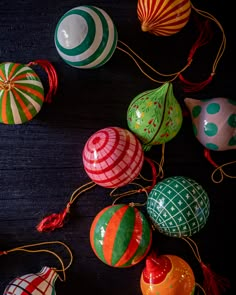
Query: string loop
(25, 248)
(57, 220)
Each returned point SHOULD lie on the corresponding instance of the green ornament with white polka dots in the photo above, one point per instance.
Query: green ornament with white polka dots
(178, 206)
(214, 122)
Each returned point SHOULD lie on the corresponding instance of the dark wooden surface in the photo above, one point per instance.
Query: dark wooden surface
(41, 161)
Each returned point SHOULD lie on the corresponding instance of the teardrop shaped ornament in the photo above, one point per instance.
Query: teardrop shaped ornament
(155, 116)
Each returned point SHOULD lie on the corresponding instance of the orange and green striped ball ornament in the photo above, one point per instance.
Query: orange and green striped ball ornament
(21, 93)
(120, 236)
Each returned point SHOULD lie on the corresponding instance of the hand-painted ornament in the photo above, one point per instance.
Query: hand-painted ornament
(155, 116)
(120, 235)
(214, 122)
(163, 17)
(113, 157)
(85, 37)
(21, 93)
(178, 206)
(41, 283)
(167, 274)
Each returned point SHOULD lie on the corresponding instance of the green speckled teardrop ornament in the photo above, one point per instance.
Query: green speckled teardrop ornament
(155, 116)
(178, 206)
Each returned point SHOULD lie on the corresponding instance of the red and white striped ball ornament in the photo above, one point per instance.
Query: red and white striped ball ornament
(41, 283)
(113, 157)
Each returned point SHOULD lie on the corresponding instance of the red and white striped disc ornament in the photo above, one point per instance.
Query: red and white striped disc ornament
(113, 157)
(41, 283)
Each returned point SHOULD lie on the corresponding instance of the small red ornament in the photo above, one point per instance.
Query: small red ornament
(113, 157)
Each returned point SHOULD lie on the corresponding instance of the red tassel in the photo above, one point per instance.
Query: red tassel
(53, 221)
(204, 37)
(213, 283)
(52, 77)
(208, 157)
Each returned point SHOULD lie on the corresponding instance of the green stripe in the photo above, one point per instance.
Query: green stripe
(31, 86)
(144, 242)
(87, 42)
(27, 71)
(11, 66)
(21, 114)
(101, 223)
(8, 109)
(111, 51)
(123, 235)
(30, 107)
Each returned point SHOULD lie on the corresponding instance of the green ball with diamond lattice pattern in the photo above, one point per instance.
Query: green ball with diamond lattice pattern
(178, 206)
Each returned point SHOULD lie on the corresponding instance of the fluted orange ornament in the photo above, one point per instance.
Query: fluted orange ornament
(163, 17)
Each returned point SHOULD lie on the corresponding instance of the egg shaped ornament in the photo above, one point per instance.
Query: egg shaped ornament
(120, 236)
(113, 157)
(214, 122)
(21, 93)
(85, 37)
(155, 116)
(40, 283)
(167, 274)
(163, 17)
(178, 206)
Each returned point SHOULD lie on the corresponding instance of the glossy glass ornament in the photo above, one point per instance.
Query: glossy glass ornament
(155, 116)
(167, 274)
(113, 157)
(41, 283)
(85, 37)
(21, 93)
(178, 206)
(163, 17)
(214, 122)
(120, 235)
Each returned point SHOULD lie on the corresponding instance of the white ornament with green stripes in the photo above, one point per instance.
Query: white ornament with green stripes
(85, 37)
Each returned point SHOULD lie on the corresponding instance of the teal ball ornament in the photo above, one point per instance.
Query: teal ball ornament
(85, 37)
(178, 206)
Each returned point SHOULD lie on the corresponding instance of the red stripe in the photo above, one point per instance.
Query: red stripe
(132, 173)
(13, 70)
(24, 76)
(24, 107)
(114, 147)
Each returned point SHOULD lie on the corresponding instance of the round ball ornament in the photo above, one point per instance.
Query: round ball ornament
(21, 93)
(113, 157)
(163, 17)
(178, 206)
(40, 283)
(120, 236)
(214, 122)
(167, 274)
(155, 116)
(85, 37)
